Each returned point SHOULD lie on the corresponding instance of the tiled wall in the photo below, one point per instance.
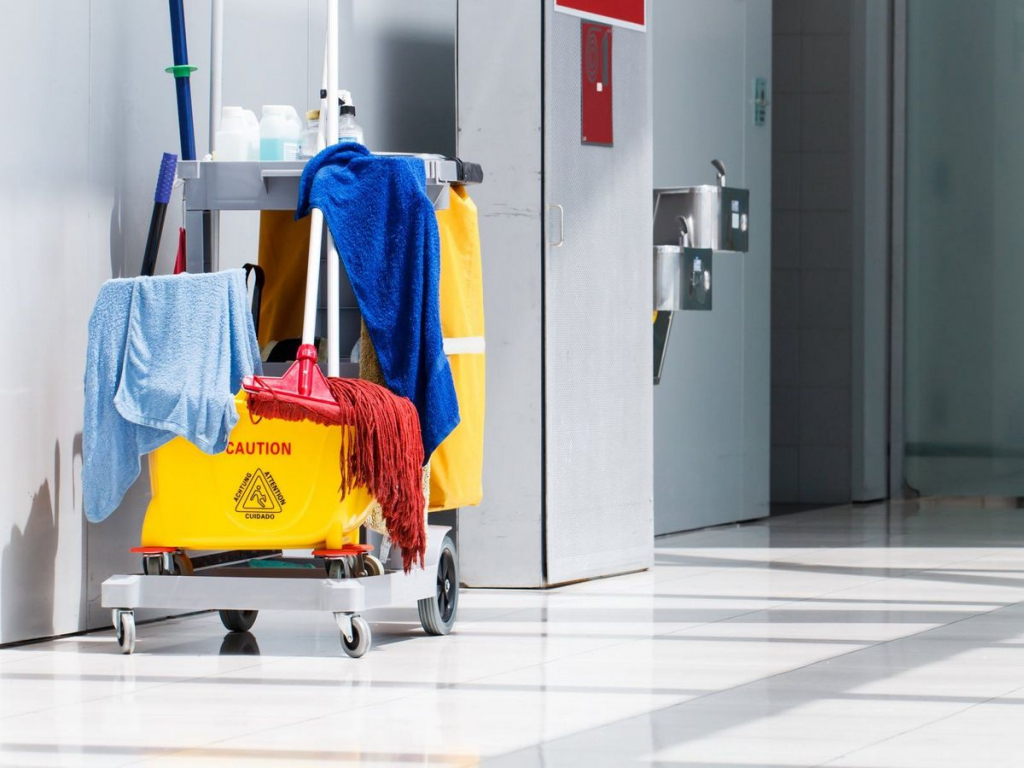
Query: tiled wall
(811, 252)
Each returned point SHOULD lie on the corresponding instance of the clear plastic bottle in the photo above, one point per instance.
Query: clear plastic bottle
(348, 128)
(311, 134)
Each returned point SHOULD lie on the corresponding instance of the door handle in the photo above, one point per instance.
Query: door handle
(561, 226)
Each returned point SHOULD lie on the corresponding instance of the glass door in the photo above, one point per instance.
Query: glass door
(963, 408)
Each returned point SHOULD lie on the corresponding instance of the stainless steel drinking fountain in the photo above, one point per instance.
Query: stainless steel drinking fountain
(717, 216)
(690, 224)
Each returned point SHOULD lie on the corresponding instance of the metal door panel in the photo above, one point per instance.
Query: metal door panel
(597, 330)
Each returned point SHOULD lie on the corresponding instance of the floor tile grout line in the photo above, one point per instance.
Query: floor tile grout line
(965, 708)
(820, 661)
(871, 644)
(908, 573)
(392, 700)
(452, 685)
(263, 662)
(754, 565)
(150, 687)
(740, 686)
(449, 686)
(684, 702)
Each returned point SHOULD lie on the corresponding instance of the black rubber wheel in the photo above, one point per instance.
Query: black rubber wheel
(437, 614)
(238, 621)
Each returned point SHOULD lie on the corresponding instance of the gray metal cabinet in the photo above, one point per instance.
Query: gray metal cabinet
(566, 232)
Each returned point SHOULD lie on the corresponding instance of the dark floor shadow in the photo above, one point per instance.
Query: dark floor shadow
(920, 573)
(29, 571)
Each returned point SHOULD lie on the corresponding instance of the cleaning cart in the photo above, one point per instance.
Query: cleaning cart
(261, 526)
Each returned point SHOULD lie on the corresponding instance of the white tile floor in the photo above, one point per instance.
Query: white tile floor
(875, 637)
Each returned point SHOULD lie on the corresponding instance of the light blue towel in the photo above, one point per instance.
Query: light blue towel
(166, 357)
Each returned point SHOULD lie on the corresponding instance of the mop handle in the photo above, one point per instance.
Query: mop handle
(333, 262)
(181, 71)
(161, 197)
(316, 230)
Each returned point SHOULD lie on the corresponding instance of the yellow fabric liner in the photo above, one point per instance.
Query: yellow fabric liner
(456, 468)
(284, 248)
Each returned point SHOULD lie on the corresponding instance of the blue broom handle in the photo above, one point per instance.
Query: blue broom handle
(186, 130)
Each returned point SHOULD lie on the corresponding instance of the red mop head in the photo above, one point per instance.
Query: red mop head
(383, 451)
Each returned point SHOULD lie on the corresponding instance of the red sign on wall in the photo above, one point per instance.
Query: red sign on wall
(623, 13)
(596, 83)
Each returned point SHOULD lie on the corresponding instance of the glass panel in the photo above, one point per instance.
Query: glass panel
(964, 395)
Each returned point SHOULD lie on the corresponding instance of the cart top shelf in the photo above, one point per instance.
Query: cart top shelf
(273, 186)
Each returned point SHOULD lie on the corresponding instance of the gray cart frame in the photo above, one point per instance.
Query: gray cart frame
(241, 589)
(211, 187)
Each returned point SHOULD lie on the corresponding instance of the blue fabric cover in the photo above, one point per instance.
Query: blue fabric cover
(166, 356)
(385, 229)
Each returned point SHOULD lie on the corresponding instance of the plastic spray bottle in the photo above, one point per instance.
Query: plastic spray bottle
(348, 128)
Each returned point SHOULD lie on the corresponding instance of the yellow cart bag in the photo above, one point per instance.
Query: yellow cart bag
(276, 487)
(284, 245)
(456, 467)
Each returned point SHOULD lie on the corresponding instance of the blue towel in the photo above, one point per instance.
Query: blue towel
(385, 229)
(166, 357)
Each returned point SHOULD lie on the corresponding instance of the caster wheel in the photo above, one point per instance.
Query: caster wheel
(153, 565)
(361, 637)
(183, 565)
(238, 621)
(336, 568)
(437, 614)
(372, 566)
(126, 631)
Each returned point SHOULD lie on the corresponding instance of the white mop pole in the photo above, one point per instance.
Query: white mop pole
(333, 265)
(216, 86)
(316, 230)
(216, 68)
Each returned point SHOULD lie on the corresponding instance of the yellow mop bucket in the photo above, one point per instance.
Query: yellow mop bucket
(276, 487)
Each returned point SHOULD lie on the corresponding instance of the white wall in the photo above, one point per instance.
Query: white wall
(75, 196)
(711, 410)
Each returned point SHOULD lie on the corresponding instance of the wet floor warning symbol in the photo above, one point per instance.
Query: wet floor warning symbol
(259, 493)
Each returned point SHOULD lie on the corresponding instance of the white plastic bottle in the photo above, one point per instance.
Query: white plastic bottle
(348, 128)
(236, 137)
(280, 133)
